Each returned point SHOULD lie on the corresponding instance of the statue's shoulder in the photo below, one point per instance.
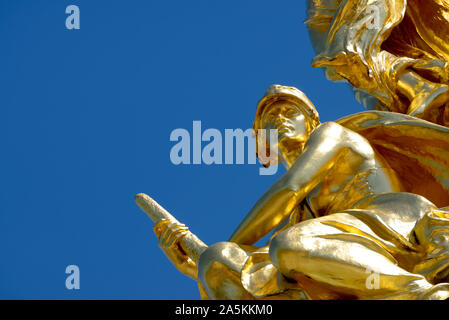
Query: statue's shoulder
(327, 132)
(329, 128)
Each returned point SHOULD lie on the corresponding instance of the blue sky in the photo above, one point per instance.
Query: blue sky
(85, 121)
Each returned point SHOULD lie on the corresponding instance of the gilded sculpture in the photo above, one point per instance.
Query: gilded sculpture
(394, 53)
(365, 194)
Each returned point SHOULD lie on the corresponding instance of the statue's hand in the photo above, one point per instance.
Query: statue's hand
(170, 235)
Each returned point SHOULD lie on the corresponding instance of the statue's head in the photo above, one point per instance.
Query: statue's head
(290, 112)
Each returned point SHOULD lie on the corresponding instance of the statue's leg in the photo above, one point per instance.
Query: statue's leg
(426, 97)
(340, 252)
(409, 92)
(219, 271)
(432, 234)
(414, 73)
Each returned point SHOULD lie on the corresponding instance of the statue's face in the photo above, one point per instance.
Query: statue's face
(291, 124)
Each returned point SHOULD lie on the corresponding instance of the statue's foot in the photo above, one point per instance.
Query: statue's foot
(432, 96)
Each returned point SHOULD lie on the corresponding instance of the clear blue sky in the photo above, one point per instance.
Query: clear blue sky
(85, 120)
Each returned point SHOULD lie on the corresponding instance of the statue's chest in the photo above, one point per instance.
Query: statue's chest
(337, 193)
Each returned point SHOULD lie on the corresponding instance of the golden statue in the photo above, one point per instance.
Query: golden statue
(363, 209)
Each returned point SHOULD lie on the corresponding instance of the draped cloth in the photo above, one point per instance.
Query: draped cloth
(407, 229)
(370, 44)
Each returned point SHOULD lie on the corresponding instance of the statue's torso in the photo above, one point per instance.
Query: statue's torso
(358, 172)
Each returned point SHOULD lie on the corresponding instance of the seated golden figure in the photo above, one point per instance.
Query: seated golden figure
(359, 213)
(395, 53)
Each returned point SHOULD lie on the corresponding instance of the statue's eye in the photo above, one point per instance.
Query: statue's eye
(288, 113)
(270, 119)
(279, 120)
(291, 113)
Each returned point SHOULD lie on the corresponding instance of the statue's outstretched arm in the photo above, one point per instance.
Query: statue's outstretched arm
(321, 152)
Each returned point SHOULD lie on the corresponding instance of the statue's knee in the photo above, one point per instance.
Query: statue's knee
(228, 254)
(278, 243)
(287, 243)
(219, 271)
